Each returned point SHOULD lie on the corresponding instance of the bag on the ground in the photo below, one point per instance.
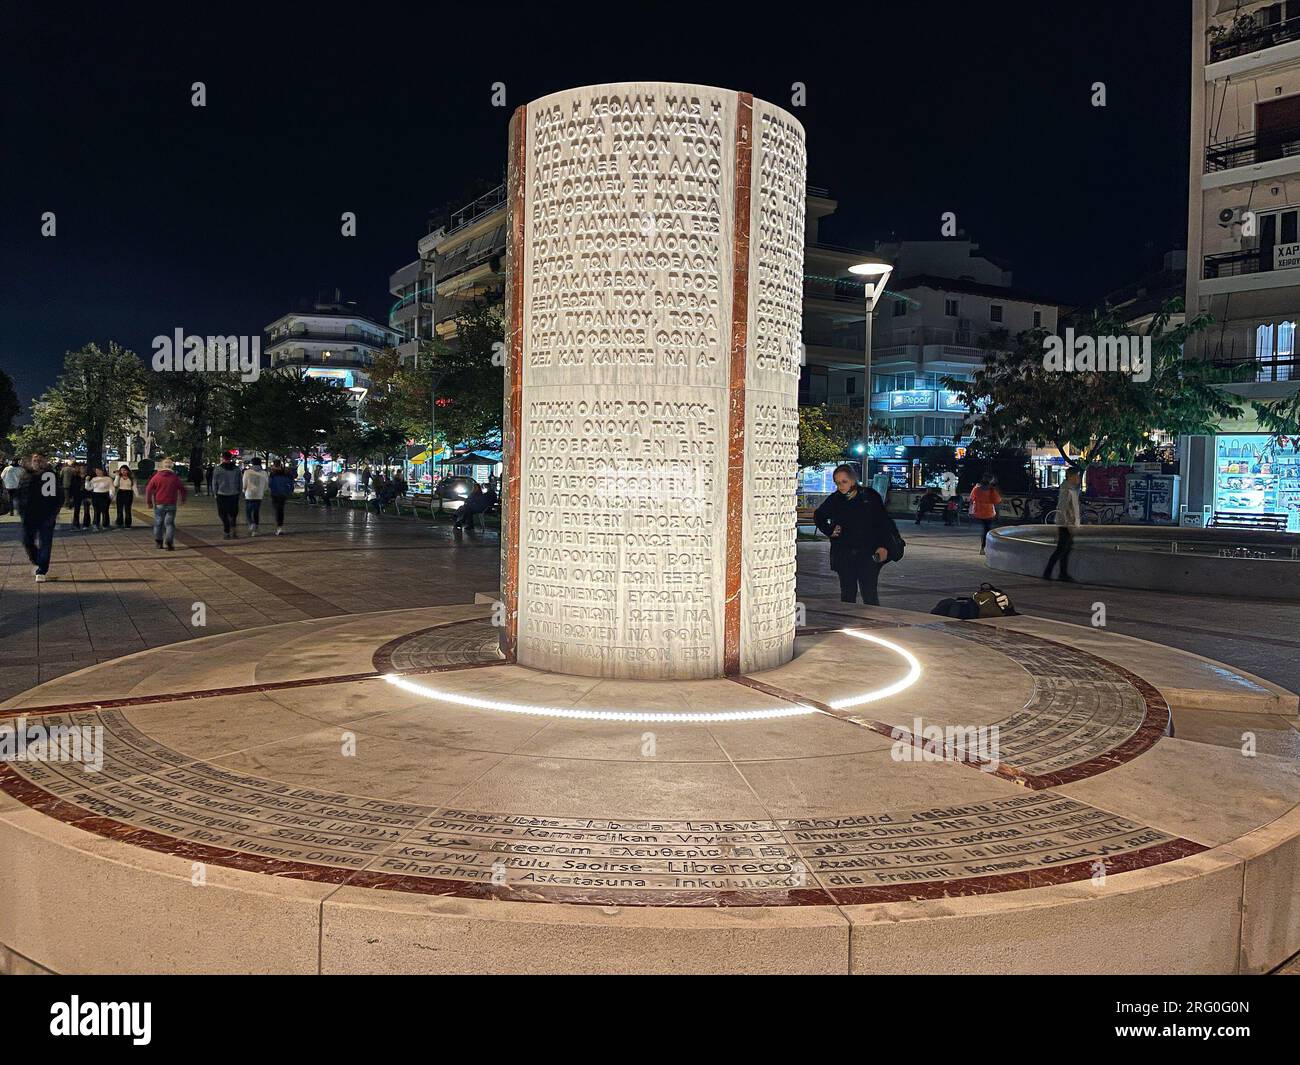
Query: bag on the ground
(962, 607)
(993, 602)
(988, 602)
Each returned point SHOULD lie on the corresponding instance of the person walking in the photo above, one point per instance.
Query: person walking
(207, 476)
(984, 500)
(41, 493)
(226, 484)
(1068, 518)
(73, 484)
(124, 493)
(11, 480)
(197, 476)
(164, 490)
(100, 489)
(280, 484)
(861, 533)
(254, 485)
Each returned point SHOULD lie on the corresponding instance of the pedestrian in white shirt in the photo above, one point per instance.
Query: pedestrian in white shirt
(100, 487)
(254, 487)
(124, 493)
(1067, 519)
(10, 480)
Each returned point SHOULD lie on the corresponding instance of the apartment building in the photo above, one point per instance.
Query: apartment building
(332, 340)
(461, 260)
(943, 298)
(1244, 244)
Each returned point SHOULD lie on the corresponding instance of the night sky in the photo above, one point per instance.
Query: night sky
(218, 220)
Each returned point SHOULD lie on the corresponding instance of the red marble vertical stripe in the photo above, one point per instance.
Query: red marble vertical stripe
(736, 403)
(517, 187)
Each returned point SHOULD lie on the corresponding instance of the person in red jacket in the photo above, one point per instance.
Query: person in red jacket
(164, 490)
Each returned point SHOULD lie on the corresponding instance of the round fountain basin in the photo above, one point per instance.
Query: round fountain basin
(1228, 562)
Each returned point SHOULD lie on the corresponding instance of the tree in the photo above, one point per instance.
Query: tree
(98, 398)
(194, 403)
(465, 375)
(27, 439)
(1280, 417)
(818, 441)
(286, 411)
(9, 405)
(359, 442)
(471, 379)
(1105, 416)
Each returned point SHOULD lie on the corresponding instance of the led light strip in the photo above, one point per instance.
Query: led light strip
(913, 673)
(656, 717)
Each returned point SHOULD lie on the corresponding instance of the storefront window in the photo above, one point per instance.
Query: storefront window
(1255, 473)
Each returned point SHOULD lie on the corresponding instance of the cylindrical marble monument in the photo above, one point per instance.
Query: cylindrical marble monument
(656, 253)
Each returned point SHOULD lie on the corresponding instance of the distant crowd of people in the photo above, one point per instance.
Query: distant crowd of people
(39, 490)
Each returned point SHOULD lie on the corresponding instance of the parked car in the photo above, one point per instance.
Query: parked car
(451, 492)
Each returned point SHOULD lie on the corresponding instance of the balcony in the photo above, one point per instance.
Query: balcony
(1243, 38)
(343, 340)
(846, 292)
(472, 212)
(850, 340)
(960, 338)
(1251, 147)
(347, 361)
(1249, 370)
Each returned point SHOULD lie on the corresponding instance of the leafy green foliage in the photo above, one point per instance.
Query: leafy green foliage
(99, 399)
(195, 406)
(466, 375)
(1104, 416)
(286, 411)
(9, 405)
(1281, 416)
(819, 443)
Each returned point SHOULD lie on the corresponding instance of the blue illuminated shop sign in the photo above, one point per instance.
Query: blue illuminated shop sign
(912, 399)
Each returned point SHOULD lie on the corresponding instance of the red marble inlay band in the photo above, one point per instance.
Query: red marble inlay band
(518, 183)
(736, 390)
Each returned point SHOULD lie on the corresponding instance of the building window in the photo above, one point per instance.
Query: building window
(950, 308)
(900, 308)
(1285, 351)
(850, 385)
(1038, 319)
(995, 312)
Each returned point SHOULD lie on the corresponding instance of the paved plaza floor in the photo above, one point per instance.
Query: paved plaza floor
(113, 593)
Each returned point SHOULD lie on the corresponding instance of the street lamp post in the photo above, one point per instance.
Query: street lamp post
(875, 274)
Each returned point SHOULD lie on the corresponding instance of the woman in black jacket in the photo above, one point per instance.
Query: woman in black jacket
(861, 534)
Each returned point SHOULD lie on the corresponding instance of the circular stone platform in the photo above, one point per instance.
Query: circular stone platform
(381, 793)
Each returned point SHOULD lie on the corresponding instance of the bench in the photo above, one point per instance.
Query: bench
(1237, 520)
